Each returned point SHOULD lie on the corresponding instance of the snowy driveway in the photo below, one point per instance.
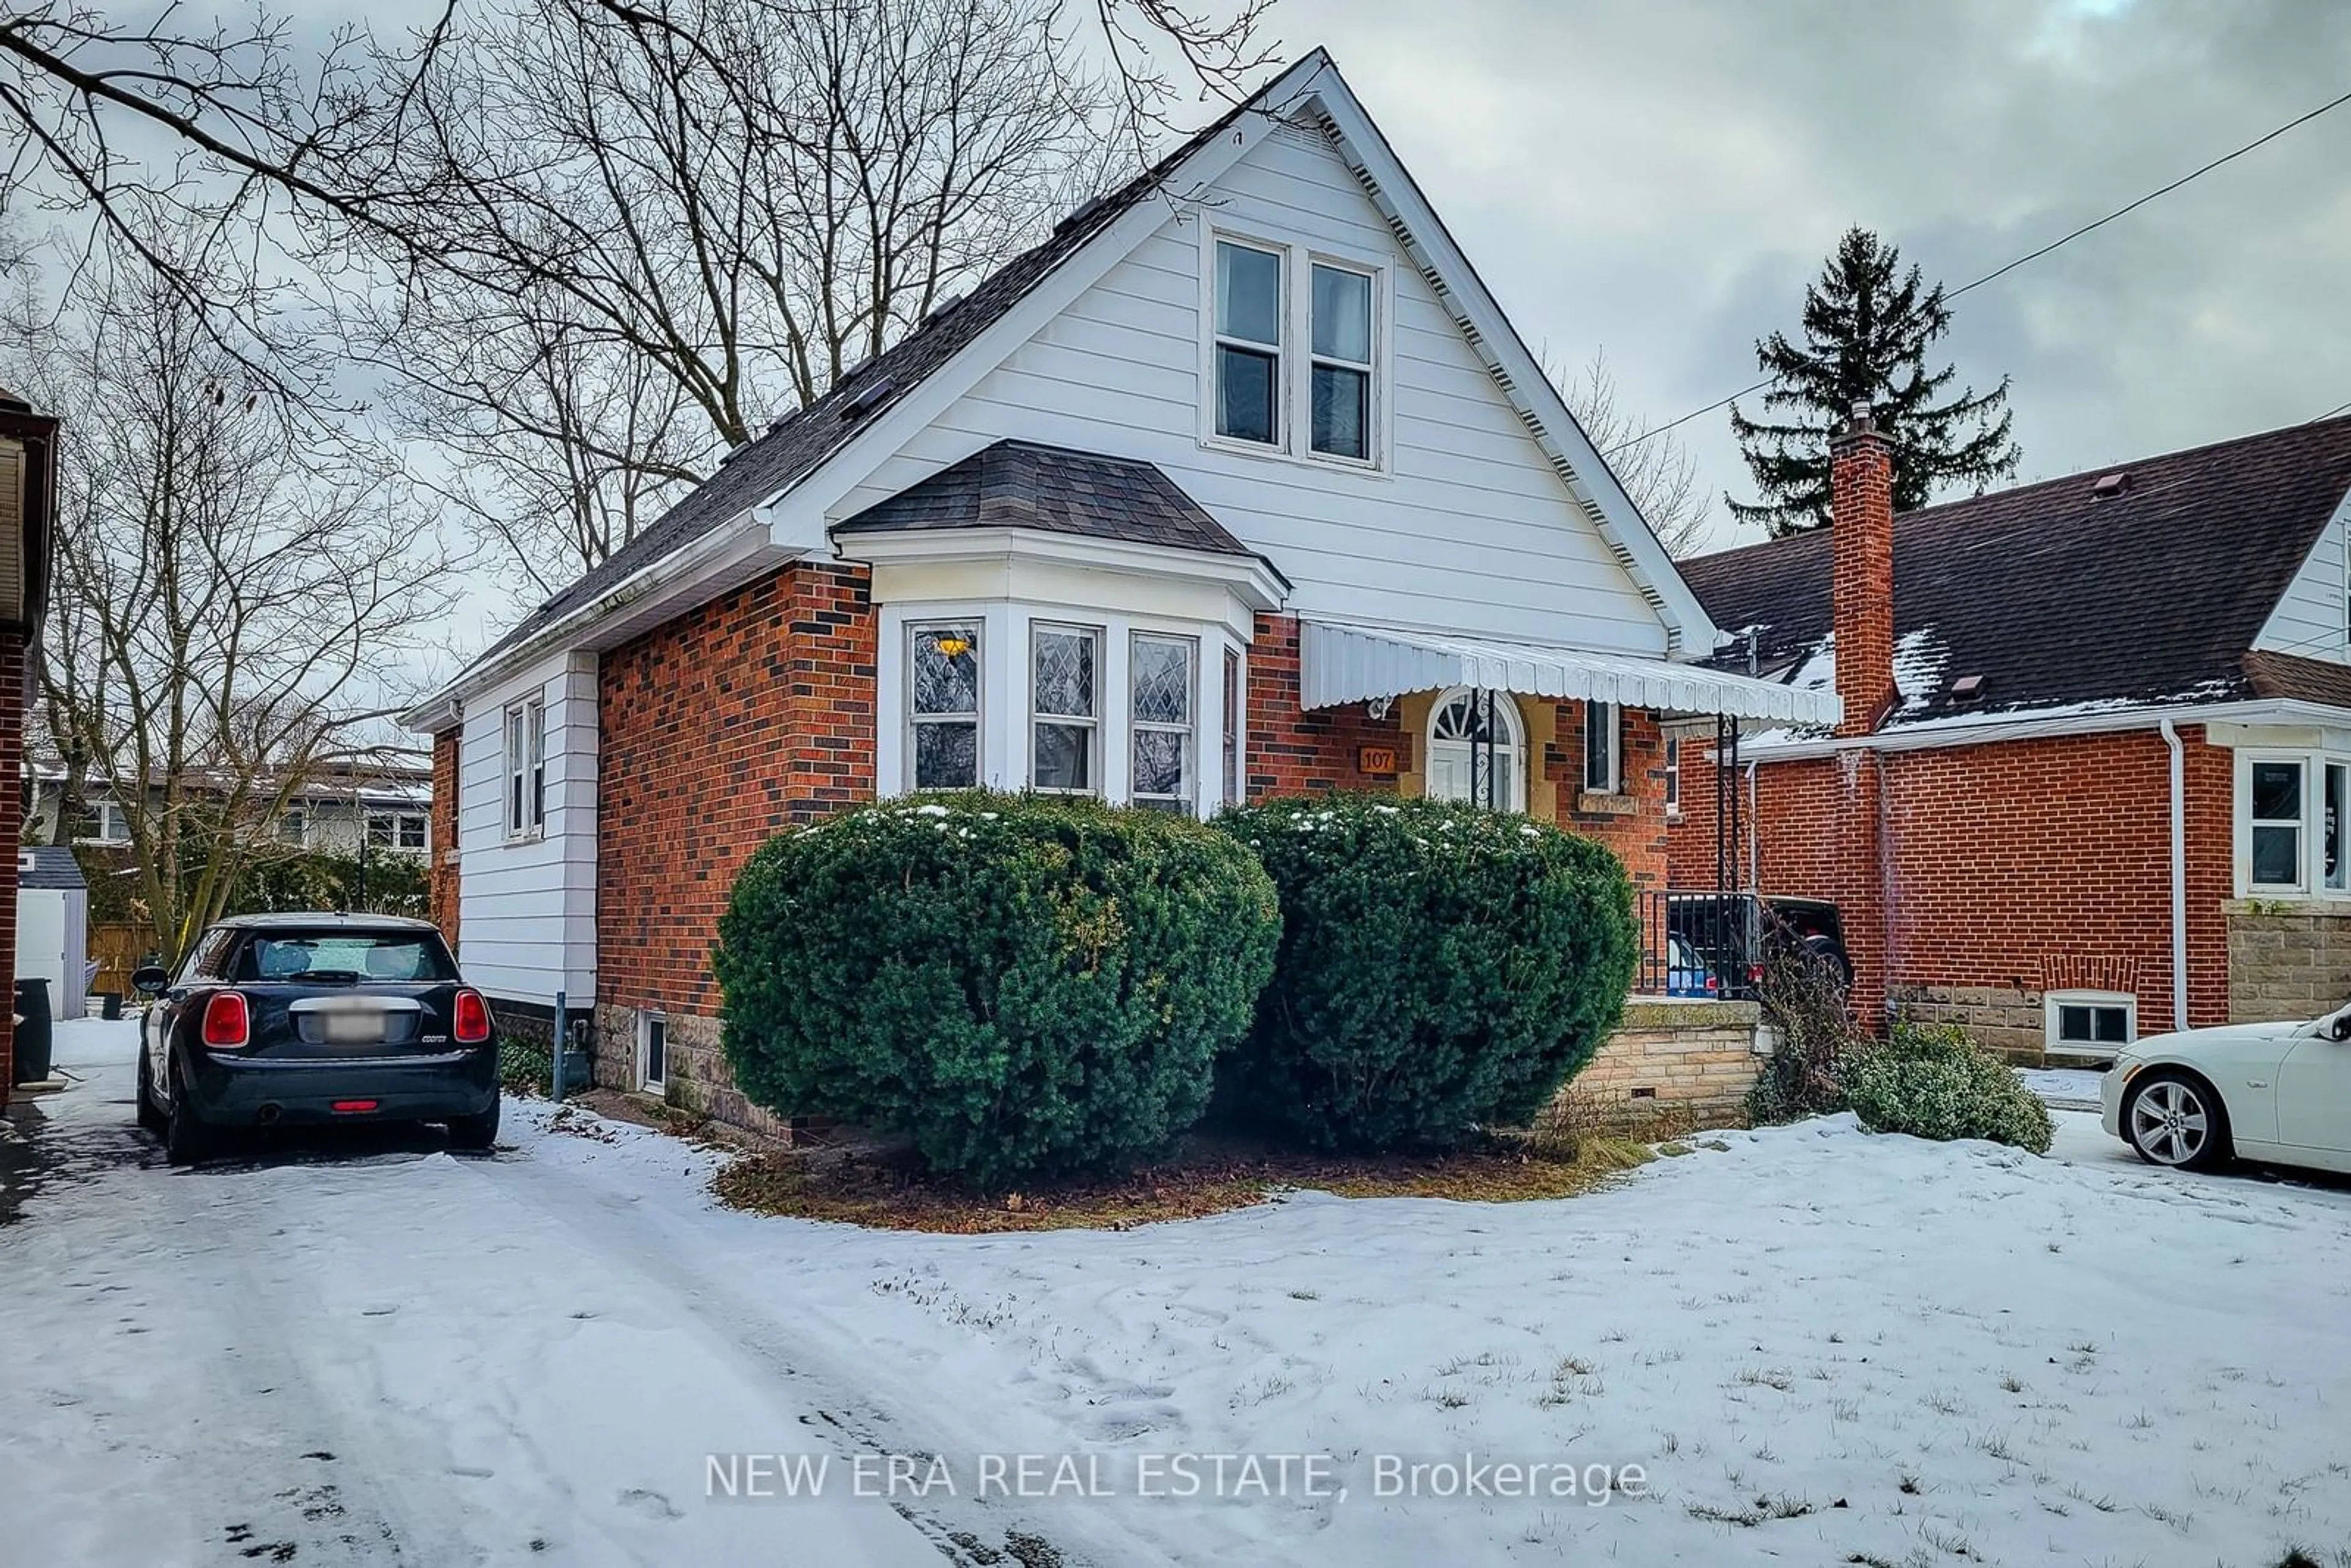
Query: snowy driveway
(1817, 1345)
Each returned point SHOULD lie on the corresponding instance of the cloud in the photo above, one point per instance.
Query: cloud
(1663, 176)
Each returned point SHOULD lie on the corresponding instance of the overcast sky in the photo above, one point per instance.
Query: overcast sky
(1663, 176)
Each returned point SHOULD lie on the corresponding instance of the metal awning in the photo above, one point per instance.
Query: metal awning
(1341, 664)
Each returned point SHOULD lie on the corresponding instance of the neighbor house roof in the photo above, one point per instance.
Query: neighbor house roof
(1023, 484)
(2069, 593)
(795, 444)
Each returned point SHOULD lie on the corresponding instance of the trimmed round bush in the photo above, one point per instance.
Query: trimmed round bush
(1442, 969)
(1023, 986)
(1933, 1081)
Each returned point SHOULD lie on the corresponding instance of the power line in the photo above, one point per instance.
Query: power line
(2033, 256)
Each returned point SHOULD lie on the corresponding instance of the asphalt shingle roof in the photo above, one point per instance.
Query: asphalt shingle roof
(48, 866)
(1023, 484)
(796, 446)
(2057, 596)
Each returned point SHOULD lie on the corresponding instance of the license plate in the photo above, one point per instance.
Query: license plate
(353, 1028)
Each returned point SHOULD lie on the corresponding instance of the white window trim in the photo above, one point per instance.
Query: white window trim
(1005, 714)
(2311, 880)
(1612, 780)
(1189, 730)
(2051, 1001)
(1521, 750)
(646, 1082)
(984, 636)
(522, 776)
(113, 825)
(1097, 722)
(1295, 443)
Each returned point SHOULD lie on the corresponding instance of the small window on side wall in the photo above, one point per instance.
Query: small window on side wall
(2275, 807)
(942, 708)
(1601, 771)
(2091, 1024)
(1673, 776)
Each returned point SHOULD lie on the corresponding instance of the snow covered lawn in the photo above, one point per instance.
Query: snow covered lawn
(1819, 1346)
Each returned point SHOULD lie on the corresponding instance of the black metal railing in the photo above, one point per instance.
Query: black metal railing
(1700, 944)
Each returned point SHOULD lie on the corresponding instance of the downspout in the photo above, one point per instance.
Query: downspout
(2179, 875)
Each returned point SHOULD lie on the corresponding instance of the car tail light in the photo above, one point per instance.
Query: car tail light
(228, 1023)
(472, 1024)
(1754, 974)
(353, 1107)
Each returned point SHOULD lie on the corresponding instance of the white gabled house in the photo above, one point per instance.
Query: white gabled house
(1238, 483)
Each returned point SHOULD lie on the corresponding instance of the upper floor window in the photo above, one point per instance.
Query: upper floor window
(944, 713)
(1248, 343)
(1288, 330)
(103, 822)
(526, 768)
(1065, 664)
(1341, 389)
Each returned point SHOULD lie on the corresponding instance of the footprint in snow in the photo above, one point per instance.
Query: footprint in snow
(652, 1504)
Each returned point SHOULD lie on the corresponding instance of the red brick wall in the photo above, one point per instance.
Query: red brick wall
(1294, 752)
(12, 809)
(752, 712)
(1861, 502)
(447, 745)
(2023, 865)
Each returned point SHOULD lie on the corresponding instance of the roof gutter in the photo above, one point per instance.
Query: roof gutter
(680, 569)
(2025, 726)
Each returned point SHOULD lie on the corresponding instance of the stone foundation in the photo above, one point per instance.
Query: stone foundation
(2287, 961)
(1685, 1064)
(2009, 1021)
(697, 1079)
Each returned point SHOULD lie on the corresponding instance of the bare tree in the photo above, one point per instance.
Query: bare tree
(234, 602)
(1659, 474)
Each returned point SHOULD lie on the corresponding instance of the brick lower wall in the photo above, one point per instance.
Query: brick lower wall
(718, 728)
(2287, 961)
(1294, 752)
(1973, 880)
(1683, 1064)
(442, 882)
(695, 1078)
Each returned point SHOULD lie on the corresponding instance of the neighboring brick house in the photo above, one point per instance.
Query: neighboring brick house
(1238, 484)
(2095, 765)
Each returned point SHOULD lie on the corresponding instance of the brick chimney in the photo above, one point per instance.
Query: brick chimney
(1861, 530)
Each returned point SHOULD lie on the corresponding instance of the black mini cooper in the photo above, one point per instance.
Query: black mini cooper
(301, 1020)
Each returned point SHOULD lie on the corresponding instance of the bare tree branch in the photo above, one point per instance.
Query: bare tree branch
(1660, 475)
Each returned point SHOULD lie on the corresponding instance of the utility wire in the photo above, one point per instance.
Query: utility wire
(2030, 256)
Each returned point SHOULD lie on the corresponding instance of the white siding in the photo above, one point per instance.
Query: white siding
(2313, 618)
(526, 908)
(1469, 528)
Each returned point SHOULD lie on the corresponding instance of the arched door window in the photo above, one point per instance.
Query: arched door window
(1476, 752)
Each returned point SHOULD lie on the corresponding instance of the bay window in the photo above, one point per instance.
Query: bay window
(1232, 727)
(943, 706)
(1065, 667)
(1160, 710)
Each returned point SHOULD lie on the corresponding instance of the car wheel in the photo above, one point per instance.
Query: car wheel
(2174, 1120)
(475, 1132)
(150, 1115)
(186, 1139)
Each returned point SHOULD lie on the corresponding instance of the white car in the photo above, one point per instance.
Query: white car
(2273, 1092)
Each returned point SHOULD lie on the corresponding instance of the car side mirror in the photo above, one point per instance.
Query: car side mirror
(2340, 1029)
(151, 980)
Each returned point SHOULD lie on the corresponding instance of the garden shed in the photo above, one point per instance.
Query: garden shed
(53, 925)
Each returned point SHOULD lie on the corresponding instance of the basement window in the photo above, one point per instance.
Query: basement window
(2090, 1023)
(652, 1052)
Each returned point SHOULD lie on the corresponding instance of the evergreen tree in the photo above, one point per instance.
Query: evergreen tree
(1867, 327)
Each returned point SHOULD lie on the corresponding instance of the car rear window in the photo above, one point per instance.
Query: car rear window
(345, 955)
